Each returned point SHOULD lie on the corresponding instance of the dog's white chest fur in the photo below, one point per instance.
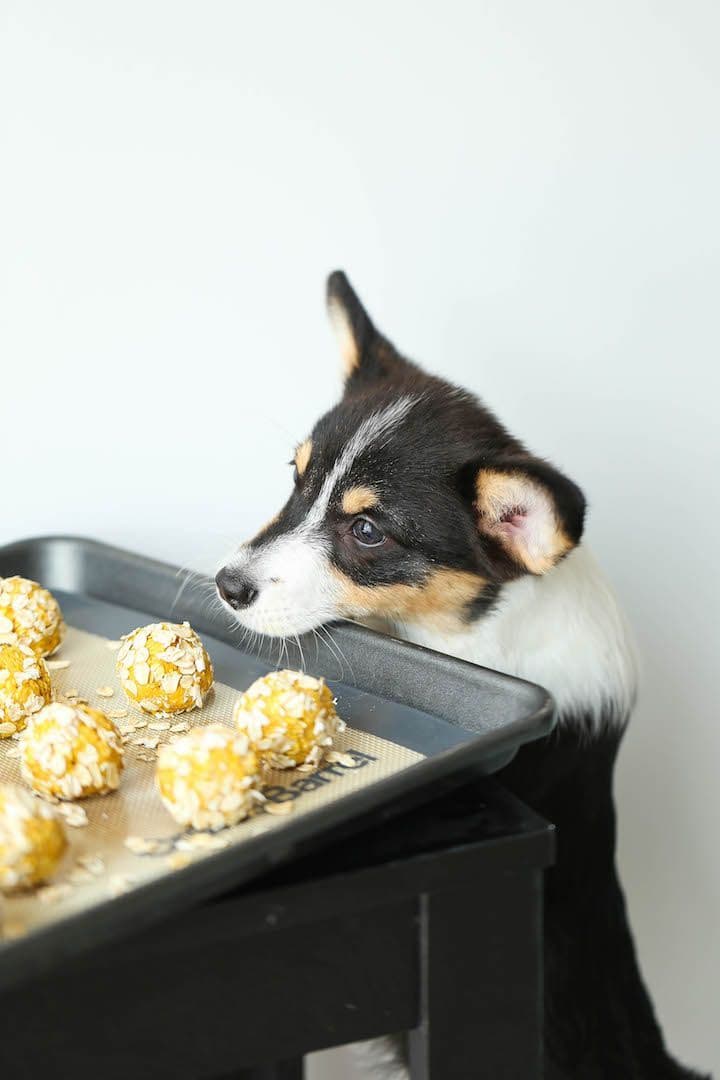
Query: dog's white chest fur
(563, 630)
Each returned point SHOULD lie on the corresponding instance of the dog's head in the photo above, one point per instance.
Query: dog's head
(411, 502)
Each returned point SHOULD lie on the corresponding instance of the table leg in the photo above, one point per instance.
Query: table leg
(481, 982)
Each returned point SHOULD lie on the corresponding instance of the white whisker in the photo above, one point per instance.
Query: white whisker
(302, 654)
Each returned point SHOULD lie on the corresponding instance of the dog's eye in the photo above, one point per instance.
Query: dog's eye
(367, 533)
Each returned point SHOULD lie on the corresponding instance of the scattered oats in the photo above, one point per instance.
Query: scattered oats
(73, 815)
(279, 809)
(337, 757)
(57, 665)
(119, 884)
(94, 863)
(306, 767)
(141, 845)
(179, 727)
(53, 894)
(145, 757)
(178, 860)
(7, 728)
(150, 742)
(116, 714)
(202, 841)
(159, 725)
(13, 928)
(71, 693)
(104, 691)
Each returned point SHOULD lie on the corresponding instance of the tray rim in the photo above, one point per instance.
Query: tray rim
(27, 957)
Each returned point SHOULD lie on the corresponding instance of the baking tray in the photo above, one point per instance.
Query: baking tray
(456, 718)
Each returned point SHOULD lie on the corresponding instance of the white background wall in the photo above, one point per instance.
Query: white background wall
(527, 197)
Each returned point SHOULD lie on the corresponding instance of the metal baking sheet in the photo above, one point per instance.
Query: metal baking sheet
(425, 721)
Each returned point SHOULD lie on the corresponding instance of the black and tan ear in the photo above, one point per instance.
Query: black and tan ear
(364, 350)
(531, 511)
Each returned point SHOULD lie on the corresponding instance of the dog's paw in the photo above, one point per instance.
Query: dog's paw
(381, 1059)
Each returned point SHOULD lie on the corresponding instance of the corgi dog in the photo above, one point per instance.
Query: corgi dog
(415, 510)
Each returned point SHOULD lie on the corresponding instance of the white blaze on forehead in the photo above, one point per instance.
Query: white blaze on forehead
(374, 428)
(297, 590)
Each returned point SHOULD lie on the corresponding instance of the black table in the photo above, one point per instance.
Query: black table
(430, 925)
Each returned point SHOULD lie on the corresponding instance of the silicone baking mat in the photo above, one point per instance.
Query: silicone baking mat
(99, 864)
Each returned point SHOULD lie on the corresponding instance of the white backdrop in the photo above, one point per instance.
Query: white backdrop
(527, 197)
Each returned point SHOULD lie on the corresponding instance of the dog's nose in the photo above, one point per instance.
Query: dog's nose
(236, 590)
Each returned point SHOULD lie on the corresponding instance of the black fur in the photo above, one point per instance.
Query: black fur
(599, 1021)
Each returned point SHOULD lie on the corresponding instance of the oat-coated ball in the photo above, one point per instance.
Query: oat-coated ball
(164, 668)
(32, 840)
(24, 687)
(70, 751)
(289, 718)
(32, 614)
(209, 777)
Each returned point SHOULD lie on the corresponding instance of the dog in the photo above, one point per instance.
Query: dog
(413, 508)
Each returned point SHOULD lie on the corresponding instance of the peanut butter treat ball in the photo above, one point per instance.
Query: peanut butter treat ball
(289, 718)
(209, 777)
(24, 687)
(70, 751)
(164, 668)
(32, 614)
(32, 840)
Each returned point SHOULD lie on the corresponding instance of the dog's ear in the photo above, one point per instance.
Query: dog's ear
(531, 513)
(365, 352)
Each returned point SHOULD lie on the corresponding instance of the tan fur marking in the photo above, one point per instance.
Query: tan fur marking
(357, 499)
(440, 600)
(346, 340)
(496, 492)
(302, 456)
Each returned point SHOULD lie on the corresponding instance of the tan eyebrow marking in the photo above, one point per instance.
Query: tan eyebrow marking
(357, 499)
(373, 427)
(302, 456)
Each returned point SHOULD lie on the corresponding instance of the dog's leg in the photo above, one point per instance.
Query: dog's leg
(599, 1020)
